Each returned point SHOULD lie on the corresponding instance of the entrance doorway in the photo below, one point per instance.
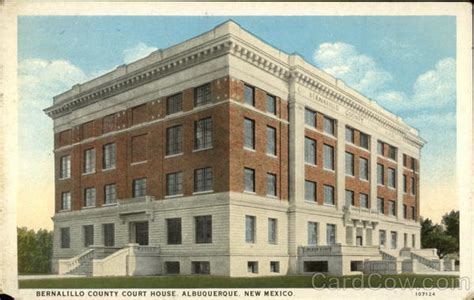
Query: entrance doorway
(139, 233)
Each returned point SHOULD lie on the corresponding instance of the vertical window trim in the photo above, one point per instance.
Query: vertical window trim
(249, 172)
(249, 134)
(271, 141)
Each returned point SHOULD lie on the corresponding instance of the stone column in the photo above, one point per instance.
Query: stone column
(373, 174)
(340, 165)
(399, 203)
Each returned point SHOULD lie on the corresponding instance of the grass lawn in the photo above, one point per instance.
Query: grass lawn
(357, 281)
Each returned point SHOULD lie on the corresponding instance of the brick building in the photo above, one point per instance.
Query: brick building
(224, 155)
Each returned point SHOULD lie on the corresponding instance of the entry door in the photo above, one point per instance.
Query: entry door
(141, 233)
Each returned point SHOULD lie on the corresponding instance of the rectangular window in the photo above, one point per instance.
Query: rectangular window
(110, 193)
(249, 134)
(139, 187)
(310, 117)
(380, 205)
(392, 152)
(329, 126)
(89, 197)
(271, 184)
(88, 235)
(405, 160)
(391, 177)
(363, 169)
(350, 198)
(310, 191)
(249, 229)
(413, 213)
(249, 94)
(413, 186)
(391, 208)
(380, 148)
(312, 233)
(316, 266)
(200, 267)
(271, 104)
(65, 168)
(66, 201)
(364, 140)
(380, 174)
(252, 267)
(203, 134)
(404, 183)
(309, 151)
(364, 200)
(405, 211)
(173, 228)
(174, 140)
(331, 234)
(272, 231)
(328, 157)
(413, 164)
(382, 237)
(350, 135)
(393, 240)
(174, 184)
(405, 240)
(328, 194)
(89, 161)
(203, 179)
(174, 104)
(65, 237)
(172, 267)
(349, 164)
(109, 158)
(109, 234)
(202, 95)
(274, 267)
(249, 180)
(203, 225)
(413, 240)
(271, 140)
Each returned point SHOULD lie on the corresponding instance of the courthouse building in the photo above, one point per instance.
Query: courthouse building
(223, 155)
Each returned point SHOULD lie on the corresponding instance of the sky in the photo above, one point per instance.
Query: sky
(406, 64)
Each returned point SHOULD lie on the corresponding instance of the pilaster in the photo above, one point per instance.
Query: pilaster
(399, 183)
(340, 165)
(373, 174)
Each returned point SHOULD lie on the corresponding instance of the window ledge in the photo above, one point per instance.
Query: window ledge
(174, 196)
(364, 180)
(310, 202)
(173, 155)
(329, 205)
(109, 169)
(203, 192)
(392, 188)
(329, 170)
(89, 207)
(272, 196)
(310, 164)
(249, 149)
(138, 162)
(64, 210)
(250, 192)
(203, 149)
(88, 173)
(109, 204)
(272, 155)
(64, 178)
(350, 176)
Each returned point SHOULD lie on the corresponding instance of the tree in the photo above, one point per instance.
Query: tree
(444, 237)
(451, 223)
(34, 250)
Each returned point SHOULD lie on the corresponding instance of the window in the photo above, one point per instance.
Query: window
(380, 205)
(271, 184)
(203, 225)
(405, 240)
(249, 180)
(392, 152)
(202, 95)
(310, 191)
(173, 228)
(200, 267)
(274, 267)
(316, 266)
(65, 170)
(363, 169)
(331, 234)
(380, 148)
(271, 140)
(203, 180)
(174, 104)
(391, 177)
(110, 193)
(271, 104)
(172, 267)
(393, 240)
(66, 201)
(309, 151)
(380, 174)
(405, 160)
(413, 164)
(350, 135)
(88, 235)
(391, 208)
(89, 161)
(328, 194)
(89, 197)
(109, 234)
(203, 134)
(382, 237)
(328, 157)
(65, 237)
(364, 200)
(310, 117)
(139, 187)
(413, 239)
(249, 134)
(252, 267)
(174, 184)
(174, 140)
(312, 233)
(349, 164)
(249, 95)
(413, 213)
(405, 211)
(272, 231)
(329, 126)
(250, 229)
(413, 186)
(404, 183)
(109, 158)
(364, 140)
(350, 198)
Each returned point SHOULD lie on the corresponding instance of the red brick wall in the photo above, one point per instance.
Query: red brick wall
(408, 199)
(388, 194)
(355, 183)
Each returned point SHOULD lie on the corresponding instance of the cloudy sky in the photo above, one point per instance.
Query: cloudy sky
(406, 64)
